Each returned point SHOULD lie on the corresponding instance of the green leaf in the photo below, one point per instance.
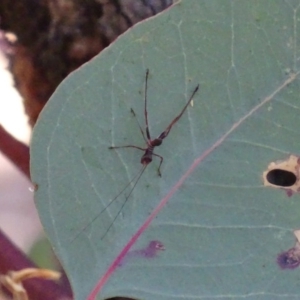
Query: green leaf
(221, 229)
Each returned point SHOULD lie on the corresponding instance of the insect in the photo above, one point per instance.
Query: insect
(146, 159)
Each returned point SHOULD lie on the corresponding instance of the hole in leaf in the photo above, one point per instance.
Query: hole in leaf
(284, 175)
(281, 177)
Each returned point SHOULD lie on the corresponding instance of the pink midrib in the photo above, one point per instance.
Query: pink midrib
(163, 202)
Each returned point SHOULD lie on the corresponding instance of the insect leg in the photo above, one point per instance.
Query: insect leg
(145, 108)
(161, 161)
(166, 132)
(127, 146)
(142, 131)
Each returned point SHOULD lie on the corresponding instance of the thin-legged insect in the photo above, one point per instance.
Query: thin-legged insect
(146, 159)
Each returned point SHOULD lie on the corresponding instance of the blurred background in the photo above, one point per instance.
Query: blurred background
(41, 42)
(18, 216)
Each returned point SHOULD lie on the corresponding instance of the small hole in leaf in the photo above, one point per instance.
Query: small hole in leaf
(281, 177)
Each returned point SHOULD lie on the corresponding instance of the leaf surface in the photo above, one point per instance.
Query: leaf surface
(220, 228)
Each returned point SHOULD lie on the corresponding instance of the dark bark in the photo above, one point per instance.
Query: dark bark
(55, 37)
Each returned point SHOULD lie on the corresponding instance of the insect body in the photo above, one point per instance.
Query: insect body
(151, 144)
(146, 159)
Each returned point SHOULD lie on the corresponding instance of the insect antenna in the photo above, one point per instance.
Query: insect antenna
(136, 177)
(126, 199)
